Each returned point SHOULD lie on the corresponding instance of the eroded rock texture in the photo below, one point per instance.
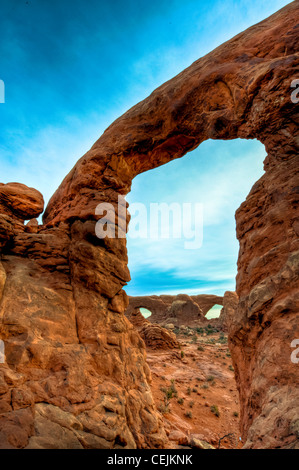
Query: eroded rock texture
(75, 367)
(75, 374)
(230, 305)
(154, 335)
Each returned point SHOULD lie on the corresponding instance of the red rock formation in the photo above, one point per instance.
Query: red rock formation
(230, 304)
(20, 202)
(266, 321)
(76, 373)
(17, 204)
(179, 309)
(154, 335)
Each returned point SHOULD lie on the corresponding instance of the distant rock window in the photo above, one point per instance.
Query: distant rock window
(145, 312)
(214, 312)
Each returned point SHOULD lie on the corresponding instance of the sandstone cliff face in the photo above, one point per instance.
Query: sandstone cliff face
(75, 367)
(266, 320)
(75, 374)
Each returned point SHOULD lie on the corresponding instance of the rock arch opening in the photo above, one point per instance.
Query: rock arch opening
(145, 312)
(216, 177)
(214, 311)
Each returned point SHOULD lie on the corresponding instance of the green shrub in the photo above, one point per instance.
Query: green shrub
(222, 339)
(171, 392)
(164, 408)
(215, 410)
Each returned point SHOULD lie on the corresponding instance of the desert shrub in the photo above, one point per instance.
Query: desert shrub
(180, 401)
(188, 414)
(171, 391)
(211, 379)
(222, 339)
(200, 348)
(210, 341)
(173, 388)
(215, 410)
(164, 408)
(210, 329)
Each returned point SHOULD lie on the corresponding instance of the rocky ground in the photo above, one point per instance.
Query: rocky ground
(195, 390)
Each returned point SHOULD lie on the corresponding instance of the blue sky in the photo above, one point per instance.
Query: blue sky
(71, 67)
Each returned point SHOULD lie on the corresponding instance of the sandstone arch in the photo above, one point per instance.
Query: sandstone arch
(72, 348)
(197, 306)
